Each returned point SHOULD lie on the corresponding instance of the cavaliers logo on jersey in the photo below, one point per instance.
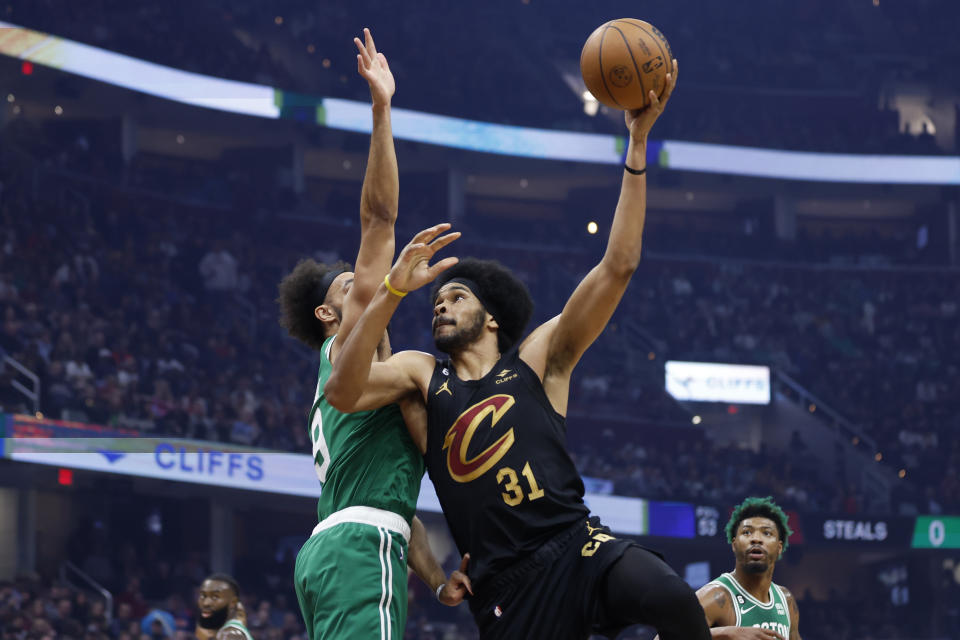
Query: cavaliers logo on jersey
(457, 440)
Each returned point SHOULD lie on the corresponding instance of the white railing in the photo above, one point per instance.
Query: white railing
(68, 569)
(33, 394)
(823, 411)
(875, 480)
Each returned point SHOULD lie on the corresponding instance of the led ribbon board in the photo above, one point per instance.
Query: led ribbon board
(417, 126)
(220, 465)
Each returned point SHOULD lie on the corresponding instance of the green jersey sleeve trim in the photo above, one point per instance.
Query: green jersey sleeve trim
(236, 624)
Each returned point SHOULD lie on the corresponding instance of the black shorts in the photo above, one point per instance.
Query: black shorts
(554, 593)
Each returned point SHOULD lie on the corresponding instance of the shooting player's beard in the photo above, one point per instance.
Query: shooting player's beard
(217, 619)
(457, 340)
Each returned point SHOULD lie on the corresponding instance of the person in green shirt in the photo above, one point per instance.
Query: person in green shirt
(746, 604)
(351, 575)
(221, 615)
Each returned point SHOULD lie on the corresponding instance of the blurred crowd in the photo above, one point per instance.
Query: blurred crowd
(31, 609)
(35, 609)
(815, 75)
(147, 308)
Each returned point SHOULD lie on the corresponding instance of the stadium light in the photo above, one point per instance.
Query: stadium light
(590, 104)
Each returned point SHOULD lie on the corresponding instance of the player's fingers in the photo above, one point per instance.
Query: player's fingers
(654, 102)
(441, 266)
(671, 83)
(443, 241)
(464, 562)
(383, 60)
(363, 52)
(411, 252)
(371, 47)
(430, 233)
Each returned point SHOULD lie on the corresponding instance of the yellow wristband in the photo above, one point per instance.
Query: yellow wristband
(396, 292)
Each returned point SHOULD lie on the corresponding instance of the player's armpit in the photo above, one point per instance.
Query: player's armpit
(534, 348)
(587, 313)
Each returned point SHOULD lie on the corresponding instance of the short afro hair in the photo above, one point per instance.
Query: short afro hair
(222, 577)
(299, 297)
(759, 508)
(504, 296)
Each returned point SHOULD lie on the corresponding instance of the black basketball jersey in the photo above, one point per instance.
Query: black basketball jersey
(497, 457)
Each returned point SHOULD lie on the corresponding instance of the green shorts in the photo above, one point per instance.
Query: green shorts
(351, 576)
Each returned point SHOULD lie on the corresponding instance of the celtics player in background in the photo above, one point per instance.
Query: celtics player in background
(221, 612)
(351, 575)
(746, 604)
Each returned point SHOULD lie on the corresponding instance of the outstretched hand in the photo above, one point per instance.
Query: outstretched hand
(413, 269)
(640, 121)
(375, 70)
(457, 586)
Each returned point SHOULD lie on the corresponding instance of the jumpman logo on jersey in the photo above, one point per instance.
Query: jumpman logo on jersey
(590, 529)
(444, 387)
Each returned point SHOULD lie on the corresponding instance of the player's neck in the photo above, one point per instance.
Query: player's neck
(475, 361)
(756, 584)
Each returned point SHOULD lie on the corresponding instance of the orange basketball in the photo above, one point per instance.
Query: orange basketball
(623, 60)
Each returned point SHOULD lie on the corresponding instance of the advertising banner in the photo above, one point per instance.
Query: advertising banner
(713, 382)
(221, 465)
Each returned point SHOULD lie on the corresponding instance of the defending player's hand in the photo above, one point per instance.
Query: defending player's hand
(640, 121)
(747, 633)
(457, 586)
(413, 269)
(375, 70)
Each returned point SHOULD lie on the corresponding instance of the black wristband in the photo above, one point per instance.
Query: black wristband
(633, 171)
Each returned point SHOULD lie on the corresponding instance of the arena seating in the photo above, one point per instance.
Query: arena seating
(792, 95)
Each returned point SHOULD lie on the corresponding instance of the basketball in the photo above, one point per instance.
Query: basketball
(623, 60)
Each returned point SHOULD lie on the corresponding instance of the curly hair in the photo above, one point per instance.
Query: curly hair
(759, 508)
(300, 296)
(503, 295)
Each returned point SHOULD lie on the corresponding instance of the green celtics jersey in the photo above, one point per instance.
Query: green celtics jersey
(774, 614)
(237, 624)
(362, 459)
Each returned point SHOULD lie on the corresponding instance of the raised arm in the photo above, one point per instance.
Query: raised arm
(379, 196)
(555, 351)
(356, 382)
(450, 591)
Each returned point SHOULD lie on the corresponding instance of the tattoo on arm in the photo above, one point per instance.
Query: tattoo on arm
(720, 599)
(716, 606)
